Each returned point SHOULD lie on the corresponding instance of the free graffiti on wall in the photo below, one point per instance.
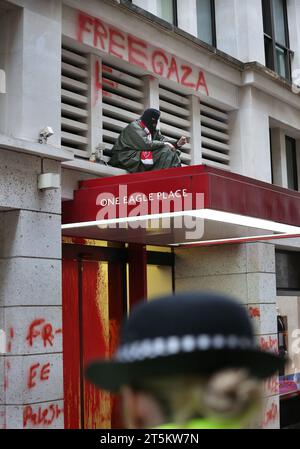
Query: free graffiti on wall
(98, 34)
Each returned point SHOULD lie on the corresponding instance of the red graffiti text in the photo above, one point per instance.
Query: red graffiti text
(42, 416)
(38, 371)
(268, 344)
(272, 385)
(11, 334)
(39, 328)
(138, 52)
(270, 415)
(7, 367)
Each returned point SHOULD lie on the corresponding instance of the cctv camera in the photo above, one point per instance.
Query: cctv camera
(45, 133)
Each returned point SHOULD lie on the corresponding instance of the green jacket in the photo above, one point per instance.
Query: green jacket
(126, 152)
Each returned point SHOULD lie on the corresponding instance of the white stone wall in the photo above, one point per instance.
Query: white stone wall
(30, 295)
(246, 272)
(30, 48)
(30, 271)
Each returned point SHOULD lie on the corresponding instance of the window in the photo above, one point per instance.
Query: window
(291, 163)
(276, 35)
(206, 29)
(167, 10)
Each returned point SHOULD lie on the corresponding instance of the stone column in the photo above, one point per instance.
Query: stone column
(249, 136)
(196, 141)
(247, 272)
(151, 92)
(239, 28)
(30, 295)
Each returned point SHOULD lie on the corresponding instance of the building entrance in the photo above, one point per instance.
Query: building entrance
(100, 284)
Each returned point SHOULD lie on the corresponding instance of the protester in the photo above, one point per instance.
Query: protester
(141, 146)
(187, 361)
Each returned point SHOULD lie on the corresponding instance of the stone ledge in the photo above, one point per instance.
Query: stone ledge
(93, 168)
(34, 148)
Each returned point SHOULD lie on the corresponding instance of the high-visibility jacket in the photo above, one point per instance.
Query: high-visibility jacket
(203, 424)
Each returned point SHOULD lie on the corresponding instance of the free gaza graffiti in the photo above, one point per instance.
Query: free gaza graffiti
(95, 32)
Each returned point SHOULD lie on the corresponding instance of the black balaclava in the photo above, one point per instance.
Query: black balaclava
(150, 118)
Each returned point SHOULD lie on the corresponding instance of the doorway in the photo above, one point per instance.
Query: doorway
(100, 284)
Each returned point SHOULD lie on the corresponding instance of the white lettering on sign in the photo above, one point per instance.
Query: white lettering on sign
(136, 198)
(152, 210)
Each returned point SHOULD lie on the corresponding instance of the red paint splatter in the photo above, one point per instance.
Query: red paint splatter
(45, 372)
(106, 94)
(32, 374)
(47, 334)
(270, 415)
(268, 344)
(272, 385)
(35, 372)
(159, 62)
(100, 34)
(42, 416)
(105, 68)
(139, 53)
(7, 367)
(83, 20)
(32, 332)
(110, 83)
(78, 240)
(187, 71)
(173, 70)
(254, 312)
(98, 85)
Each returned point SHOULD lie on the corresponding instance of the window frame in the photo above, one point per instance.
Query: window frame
(213, 24)
(294, 161)
(288, 53)
(271, 155)
(175, 13)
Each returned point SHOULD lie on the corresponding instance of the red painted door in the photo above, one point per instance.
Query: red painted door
(94, 299)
